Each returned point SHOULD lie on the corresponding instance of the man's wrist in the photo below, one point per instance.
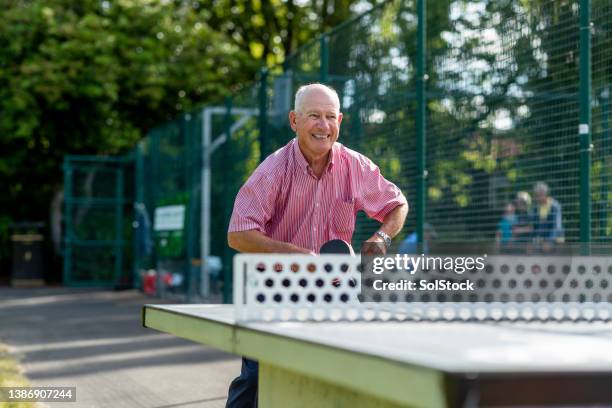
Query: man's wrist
(386, 238)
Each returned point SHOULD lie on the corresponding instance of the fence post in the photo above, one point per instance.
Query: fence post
(227, 204)
(584, 130)
(119, 201)
(206, 203)
(421, 77)
(324, 67)
(139, 199)
(155, 196)
(605, 107)
(263, 114)
(190, 151)
(67, 273)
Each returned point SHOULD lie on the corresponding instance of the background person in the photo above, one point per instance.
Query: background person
(522, 230)
(546, 218)
(410, 244)
(503, 235)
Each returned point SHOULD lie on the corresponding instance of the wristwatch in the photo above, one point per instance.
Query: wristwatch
(385, 237)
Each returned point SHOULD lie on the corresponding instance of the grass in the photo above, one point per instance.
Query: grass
(11, 375)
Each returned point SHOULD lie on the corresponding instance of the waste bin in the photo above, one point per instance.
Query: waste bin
(27, 242)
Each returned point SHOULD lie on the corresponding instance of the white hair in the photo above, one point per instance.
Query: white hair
(304, 89)
(540, 187)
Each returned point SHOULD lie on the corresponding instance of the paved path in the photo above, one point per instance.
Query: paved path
(94, 340)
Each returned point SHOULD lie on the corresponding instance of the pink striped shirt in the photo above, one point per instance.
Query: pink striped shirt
(285, 201)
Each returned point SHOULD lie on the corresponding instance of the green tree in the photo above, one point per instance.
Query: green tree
(272, 29)
(92, 77)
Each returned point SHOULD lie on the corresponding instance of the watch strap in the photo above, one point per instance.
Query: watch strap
(385, 237)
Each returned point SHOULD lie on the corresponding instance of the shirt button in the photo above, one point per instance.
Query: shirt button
(316, 204)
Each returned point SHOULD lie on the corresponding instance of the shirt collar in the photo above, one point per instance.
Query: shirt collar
(303, 163)
(299, 156)
(333, 154)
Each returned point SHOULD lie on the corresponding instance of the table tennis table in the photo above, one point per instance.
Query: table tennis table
(408, 363)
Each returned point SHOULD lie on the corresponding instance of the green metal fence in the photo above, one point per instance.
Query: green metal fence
(193, 164)
(97, 221)
(461, 103)
(168, 164)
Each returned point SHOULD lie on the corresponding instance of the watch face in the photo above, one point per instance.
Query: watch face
(385, 237)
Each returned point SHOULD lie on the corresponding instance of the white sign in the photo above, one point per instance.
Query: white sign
(169, 218)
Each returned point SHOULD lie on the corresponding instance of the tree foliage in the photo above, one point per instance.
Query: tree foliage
(92, 77)
(273, 29)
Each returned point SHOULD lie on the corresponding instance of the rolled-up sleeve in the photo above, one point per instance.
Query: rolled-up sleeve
(378, 196)
(254, 205)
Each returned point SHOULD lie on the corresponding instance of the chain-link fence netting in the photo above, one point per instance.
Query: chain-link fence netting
(167, 207)
(504, 102)
(503, 98)
(185, 196)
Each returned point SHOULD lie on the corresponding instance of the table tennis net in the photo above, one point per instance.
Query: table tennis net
(283, 287)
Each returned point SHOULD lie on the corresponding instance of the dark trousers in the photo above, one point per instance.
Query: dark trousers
(243, 390)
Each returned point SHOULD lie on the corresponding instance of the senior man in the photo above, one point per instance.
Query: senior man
(546, 219)
(306, 193)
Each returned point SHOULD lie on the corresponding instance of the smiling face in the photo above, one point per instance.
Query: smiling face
(316, 122)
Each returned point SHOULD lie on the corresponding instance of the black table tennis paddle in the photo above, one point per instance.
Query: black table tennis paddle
(336, 246)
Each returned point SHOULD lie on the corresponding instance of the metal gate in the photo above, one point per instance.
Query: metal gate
(97, 221)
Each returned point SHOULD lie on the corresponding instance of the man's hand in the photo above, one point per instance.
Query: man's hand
(374, 246)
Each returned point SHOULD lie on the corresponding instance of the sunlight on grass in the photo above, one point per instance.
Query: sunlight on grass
(11, 376)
